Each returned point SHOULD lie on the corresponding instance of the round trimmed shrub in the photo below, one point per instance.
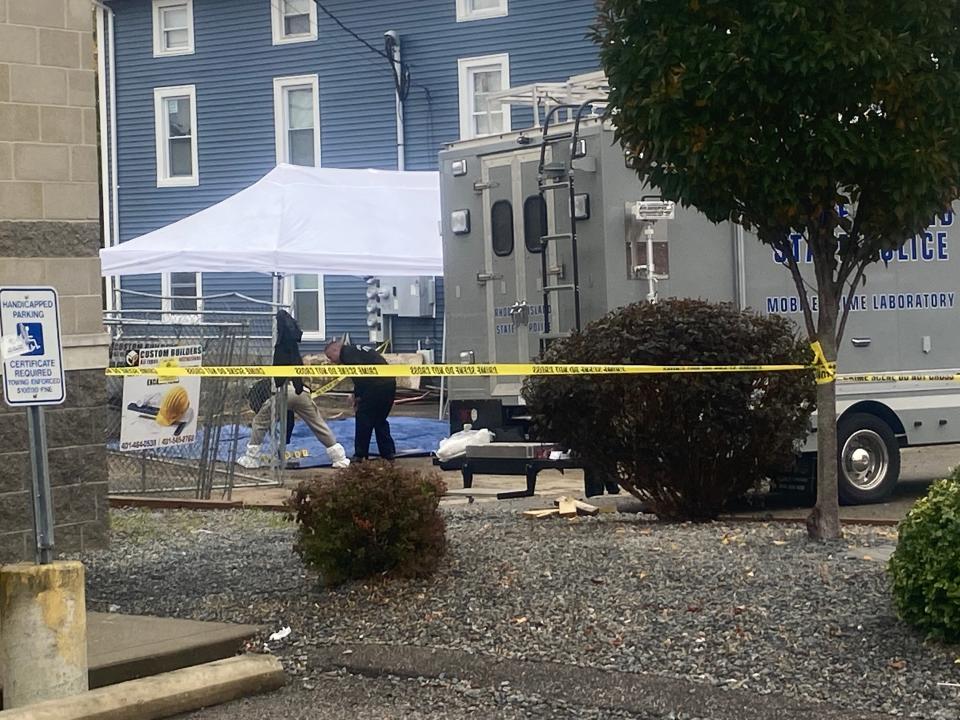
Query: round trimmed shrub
(371, 518)
(925, 567)
(685, 443)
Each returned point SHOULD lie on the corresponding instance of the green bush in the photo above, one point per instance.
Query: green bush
(690, 443)
(926, 564)
(372, 518)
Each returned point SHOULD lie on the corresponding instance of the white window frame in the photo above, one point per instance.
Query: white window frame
(279, 37)
(179, 316)
(288, 293)
(466, 14)
(280, 87)
(158, 49)
(466, 67)
(161, 128)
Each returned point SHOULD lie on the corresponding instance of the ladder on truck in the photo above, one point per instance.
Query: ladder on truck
(557, 175)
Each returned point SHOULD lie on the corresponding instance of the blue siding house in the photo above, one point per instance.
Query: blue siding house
(203, 97)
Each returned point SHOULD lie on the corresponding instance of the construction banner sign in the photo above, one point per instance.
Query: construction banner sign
(159, 409)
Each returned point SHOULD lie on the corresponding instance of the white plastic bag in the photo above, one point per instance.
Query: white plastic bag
(456, 445)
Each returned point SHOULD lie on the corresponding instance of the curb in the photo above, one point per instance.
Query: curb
(163, 696)
(586, 687)
(799, 520)
(156, 503)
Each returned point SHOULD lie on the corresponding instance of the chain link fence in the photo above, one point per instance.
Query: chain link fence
(228, 329)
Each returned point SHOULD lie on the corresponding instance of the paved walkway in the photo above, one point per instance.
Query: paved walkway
(126, 647)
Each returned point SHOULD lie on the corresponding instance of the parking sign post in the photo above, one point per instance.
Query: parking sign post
(42, 499)
(33, 376)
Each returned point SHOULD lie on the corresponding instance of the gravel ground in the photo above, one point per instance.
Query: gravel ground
(747, 606)
(333, 694)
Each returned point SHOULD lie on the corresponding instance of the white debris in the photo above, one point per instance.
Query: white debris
(280, 634)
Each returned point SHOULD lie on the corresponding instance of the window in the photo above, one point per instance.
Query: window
(478, 78)
(175, 110)
(480, 9)
(306, 299)
(172, 27)
(296, 112)
(534, 222)
(181, 291)
(293, 21)
(501, 226)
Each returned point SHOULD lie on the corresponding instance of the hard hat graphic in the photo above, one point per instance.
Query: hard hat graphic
(173, 407)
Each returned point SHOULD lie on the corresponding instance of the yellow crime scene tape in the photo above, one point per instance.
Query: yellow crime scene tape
(479, 370)
(825, 372)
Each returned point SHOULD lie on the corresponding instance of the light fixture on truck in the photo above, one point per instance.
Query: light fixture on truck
(581, 207)
(460, 222)
(458, 168)
(653, 210)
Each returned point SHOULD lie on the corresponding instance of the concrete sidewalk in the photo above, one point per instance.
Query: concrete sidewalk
(126, 647)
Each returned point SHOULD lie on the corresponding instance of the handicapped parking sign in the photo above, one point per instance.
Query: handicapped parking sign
(33, 372)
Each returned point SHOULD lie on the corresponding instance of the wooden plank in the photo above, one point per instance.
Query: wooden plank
(582, 507)
(165, 503)
(586, 508)
(568, 507)
(540, 514)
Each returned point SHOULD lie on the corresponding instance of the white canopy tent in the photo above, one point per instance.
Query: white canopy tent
(301, 220)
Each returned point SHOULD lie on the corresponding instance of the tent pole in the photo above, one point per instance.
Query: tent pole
(278, 411)
(443, 359)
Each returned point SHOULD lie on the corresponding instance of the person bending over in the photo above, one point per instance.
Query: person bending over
(287, 352)
(373, 399)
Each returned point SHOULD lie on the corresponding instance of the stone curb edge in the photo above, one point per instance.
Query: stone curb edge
(578, 686)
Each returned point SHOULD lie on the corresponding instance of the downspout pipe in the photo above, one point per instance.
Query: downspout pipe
(104, 144)
(391, 40)
(106, 55)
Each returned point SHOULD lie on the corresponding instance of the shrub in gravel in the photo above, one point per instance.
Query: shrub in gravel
(687, 444)
(926, 564)
(371, 518)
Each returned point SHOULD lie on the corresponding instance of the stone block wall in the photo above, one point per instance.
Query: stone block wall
(77, 458)
(50, 235)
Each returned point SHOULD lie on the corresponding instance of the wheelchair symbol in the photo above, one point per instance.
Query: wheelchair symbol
(31, 335)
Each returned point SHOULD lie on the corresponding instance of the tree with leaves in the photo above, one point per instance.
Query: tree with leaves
(835, 119)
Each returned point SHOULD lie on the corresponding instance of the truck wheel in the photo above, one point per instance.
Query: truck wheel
(868, 459)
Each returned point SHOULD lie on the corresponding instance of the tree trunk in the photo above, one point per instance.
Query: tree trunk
(824, 522)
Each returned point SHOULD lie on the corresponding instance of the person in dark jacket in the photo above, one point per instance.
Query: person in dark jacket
(286, 352)
(373, 398)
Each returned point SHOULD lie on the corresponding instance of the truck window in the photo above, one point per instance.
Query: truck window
(534, 222)
(501, 225)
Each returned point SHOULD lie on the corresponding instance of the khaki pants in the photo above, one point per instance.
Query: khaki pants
(301, 406)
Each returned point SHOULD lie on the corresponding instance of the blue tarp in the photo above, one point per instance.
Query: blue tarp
(413, 437)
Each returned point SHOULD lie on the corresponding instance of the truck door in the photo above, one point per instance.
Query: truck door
(515, 219)
(507, 311)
